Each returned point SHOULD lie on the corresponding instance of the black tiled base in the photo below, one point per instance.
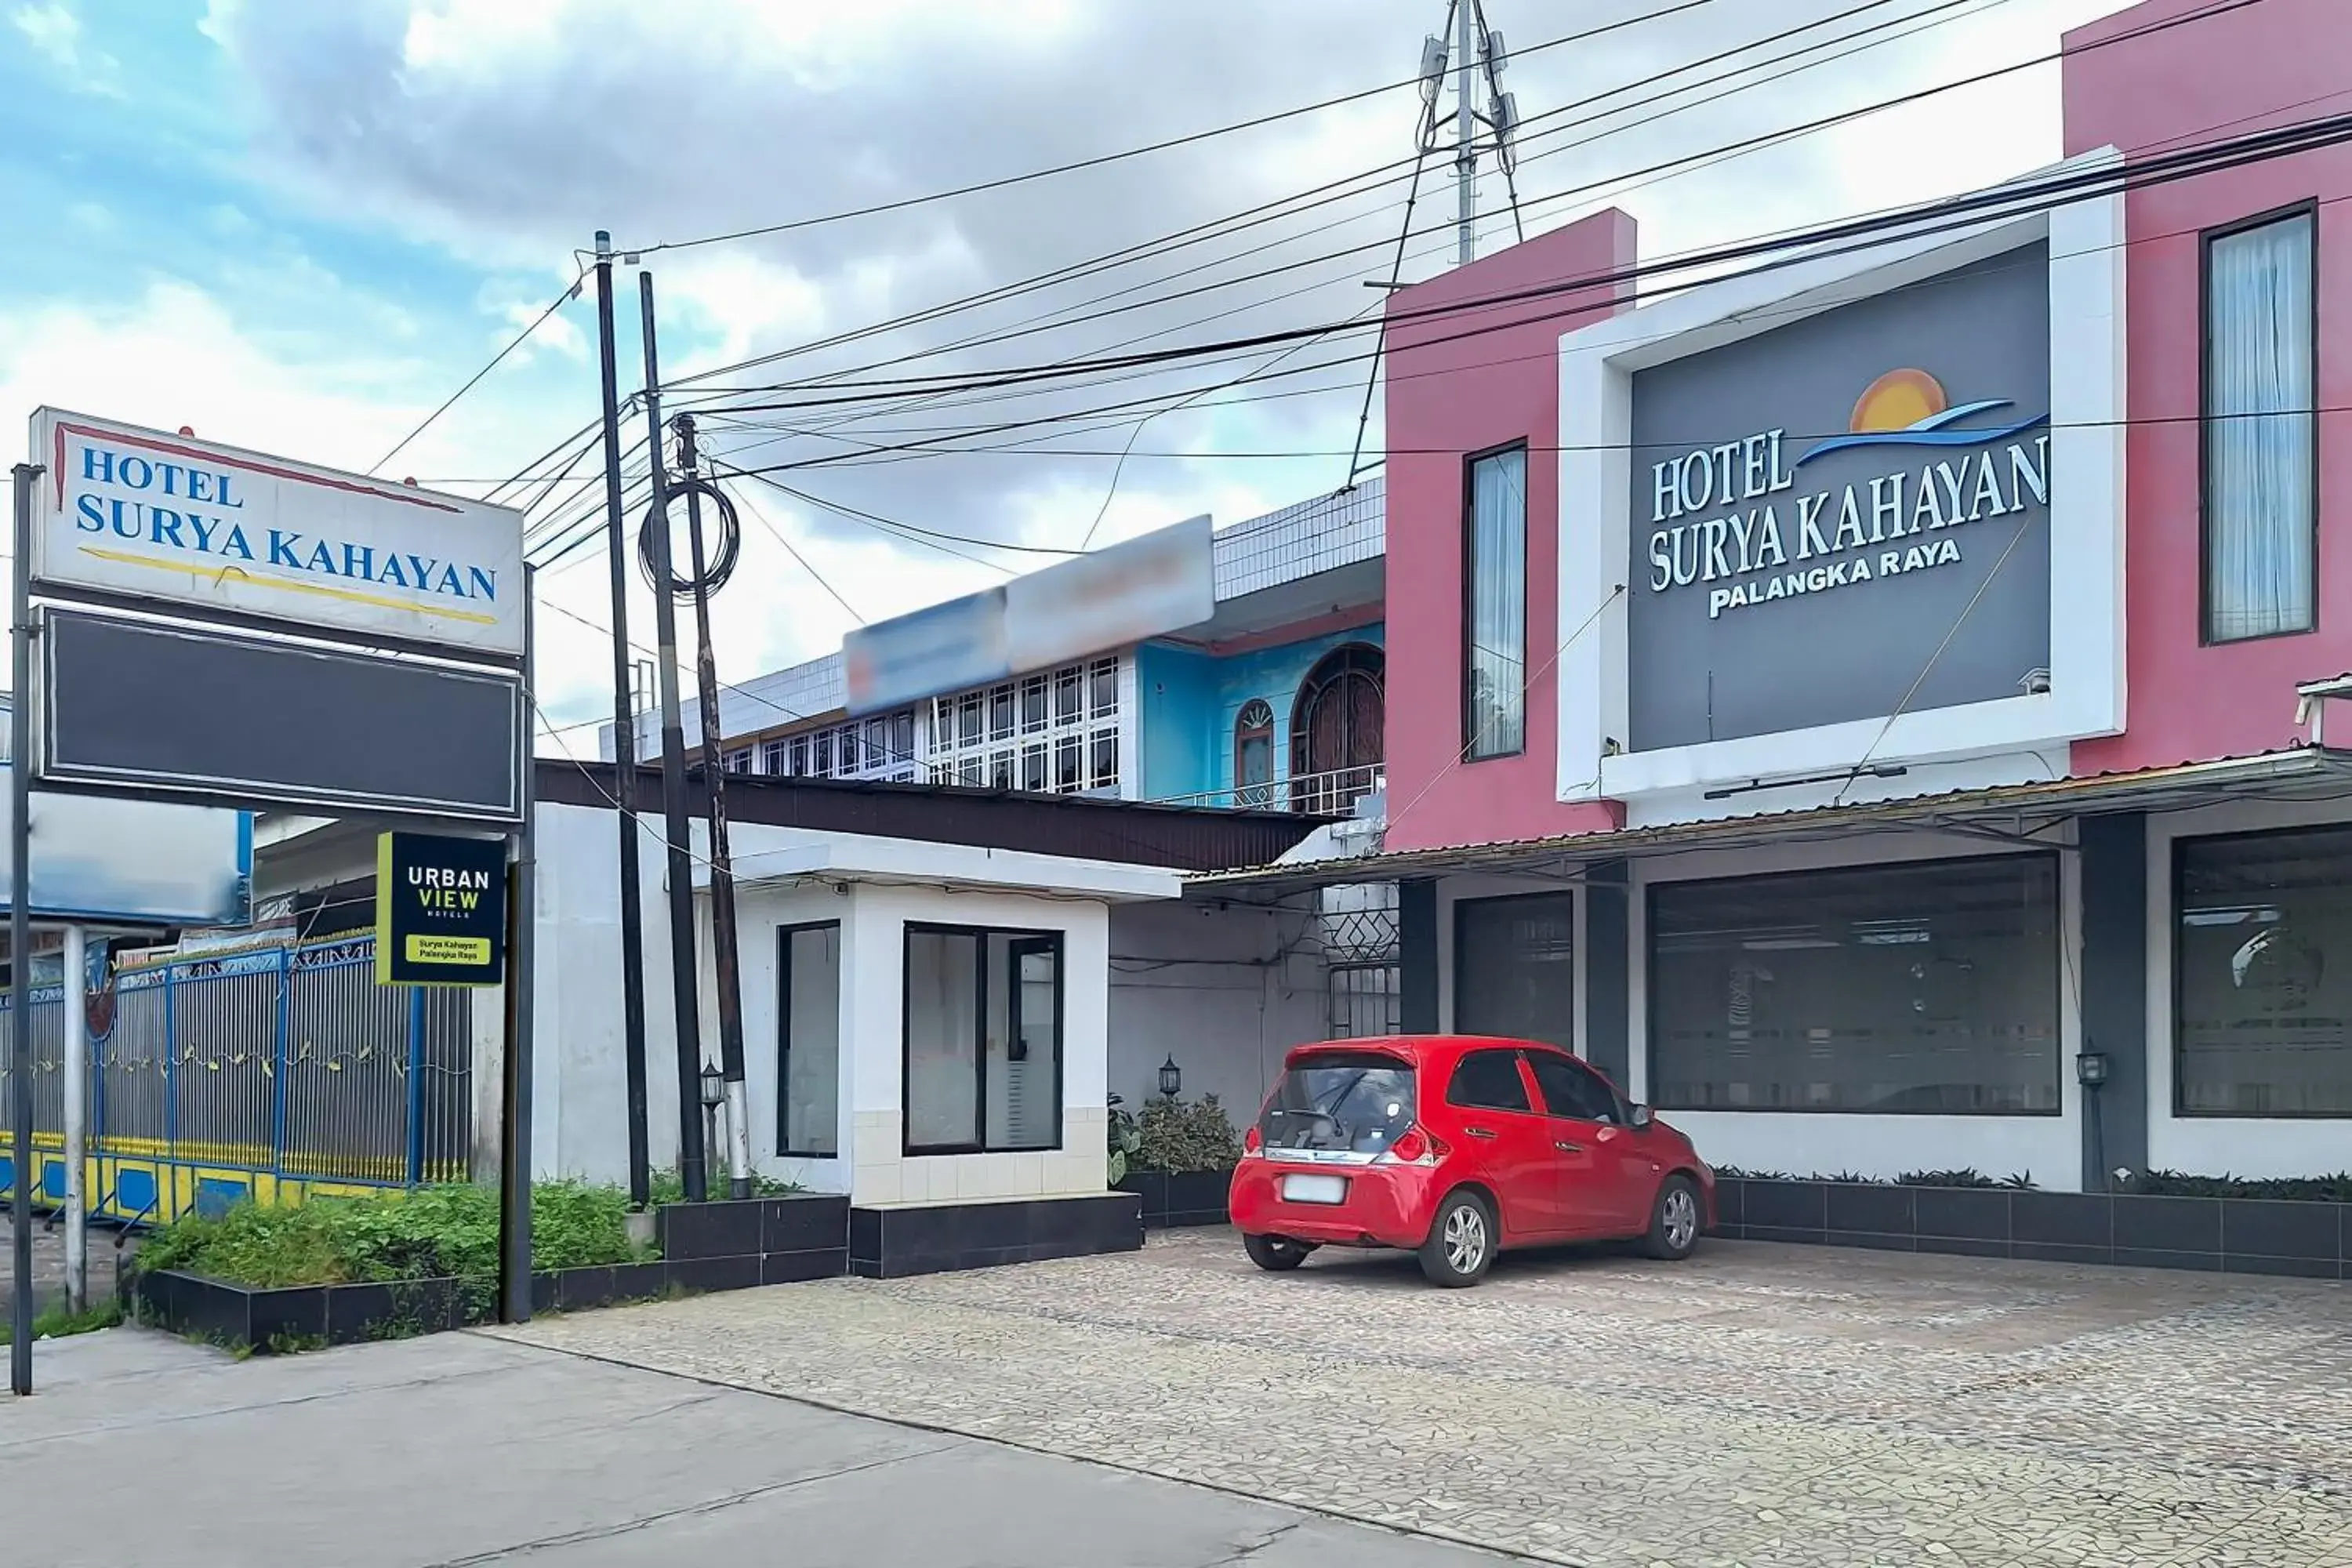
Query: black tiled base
(894, 1243)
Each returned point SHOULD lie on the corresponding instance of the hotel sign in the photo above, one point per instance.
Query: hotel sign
(1847, 516)
(138, 514)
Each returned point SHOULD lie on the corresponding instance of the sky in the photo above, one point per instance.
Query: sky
(301, 226)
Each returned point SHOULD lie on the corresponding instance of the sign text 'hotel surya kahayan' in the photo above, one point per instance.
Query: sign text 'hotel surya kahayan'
(142, 515)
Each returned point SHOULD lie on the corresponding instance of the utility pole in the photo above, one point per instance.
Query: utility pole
(724, 952)
(682, 964)
(1474, 53)
(20, 941)
(624, 745)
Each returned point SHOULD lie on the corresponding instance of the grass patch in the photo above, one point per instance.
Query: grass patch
(55, 1323)
(666, 1187)
(440, 1232)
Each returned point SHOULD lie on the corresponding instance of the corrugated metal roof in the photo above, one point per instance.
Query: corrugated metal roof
(2276, 772)
(1137, 833)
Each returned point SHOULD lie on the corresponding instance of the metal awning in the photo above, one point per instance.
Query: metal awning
(2015, 813)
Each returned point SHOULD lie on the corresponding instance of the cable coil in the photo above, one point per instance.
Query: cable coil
(720, 562)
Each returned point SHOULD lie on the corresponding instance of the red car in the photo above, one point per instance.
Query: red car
(1456, 1147)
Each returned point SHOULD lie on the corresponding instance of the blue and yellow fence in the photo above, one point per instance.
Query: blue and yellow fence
(269, 1075)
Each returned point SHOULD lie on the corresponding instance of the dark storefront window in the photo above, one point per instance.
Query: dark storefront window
(808, 1039)
(1929, 988)
(2261, 974)
(1513, 968)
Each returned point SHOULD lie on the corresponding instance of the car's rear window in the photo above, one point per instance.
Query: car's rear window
(1332, 1102)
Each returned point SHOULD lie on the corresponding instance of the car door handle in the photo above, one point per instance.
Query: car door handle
(1479, 1131)
(1565, 1147)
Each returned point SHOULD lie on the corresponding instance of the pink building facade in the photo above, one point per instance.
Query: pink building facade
(1873, 705)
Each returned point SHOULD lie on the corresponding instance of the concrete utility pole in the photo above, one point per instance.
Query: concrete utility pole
(73, 1052)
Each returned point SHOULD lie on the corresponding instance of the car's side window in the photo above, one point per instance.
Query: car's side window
(1489, 1080)
(1571, 1089)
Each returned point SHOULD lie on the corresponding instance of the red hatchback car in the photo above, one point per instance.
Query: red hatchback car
(1456, 1147)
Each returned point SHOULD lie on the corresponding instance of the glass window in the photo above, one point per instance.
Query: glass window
(771, 758)
(1000, 713)
(808, 1026)
(968, 770)
(1067, 776)
(737, 762)
(823, 753)
(902, 736)
(1253, 754)
(877, 743)
(983, 1040)
(1033, 768)
(1515, 968)
(1929, 987)
(1000, 770)
(1356, 1101)
(1494, 618)
(1105, 772)
(2260, 470)
(846, 753)
(1489, 1080)
(1571, 1089)
(1103, 688)
(2261, 987)
(1033, 704)
(1068, 707)
(800, 763)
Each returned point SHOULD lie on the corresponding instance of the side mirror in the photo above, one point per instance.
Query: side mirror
(1642, 1119)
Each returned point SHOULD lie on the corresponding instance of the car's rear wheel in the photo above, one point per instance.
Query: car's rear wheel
(1275, 1254)
(1462, 1242)
(1675, 1221)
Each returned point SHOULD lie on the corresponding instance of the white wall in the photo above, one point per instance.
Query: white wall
(872, 955)
(1225, 990)
(2206, 1145)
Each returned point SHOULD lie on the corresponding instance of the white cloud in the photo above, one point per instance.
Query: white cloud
(55, 32)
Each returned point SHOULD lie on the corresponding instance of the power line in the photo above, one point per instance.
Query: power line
(2022, 198)
(570, 293)
(1103, 159)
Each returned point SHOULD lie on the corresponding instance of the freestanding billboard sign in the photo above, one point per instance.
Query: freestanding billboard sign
(218, 626)
(128, 513)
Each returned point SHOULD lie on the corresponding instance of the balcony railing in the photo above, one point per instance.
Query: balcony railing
(1333, 793)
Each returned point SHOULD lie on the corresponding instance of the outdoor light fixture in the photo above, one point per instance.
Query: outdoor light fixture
(1172, 1077)
(2091, 1068)
(714, 1087)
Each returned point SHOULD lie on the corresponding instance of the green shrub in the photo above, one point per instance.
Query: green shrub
(430, 1232)
(1175, 1136)
(664, 1187)
(2333, 1189)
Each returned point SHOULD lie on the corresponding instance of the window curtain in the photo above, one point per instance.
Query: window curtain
(1495, 712)
(2260, 396)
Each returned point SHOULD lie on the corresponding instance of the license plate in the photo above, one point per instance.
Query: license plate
(1315, 1189)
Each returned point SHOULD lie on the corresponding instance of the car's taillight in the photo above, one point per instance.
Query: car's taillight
(1252, 1143)
(1415, 1146)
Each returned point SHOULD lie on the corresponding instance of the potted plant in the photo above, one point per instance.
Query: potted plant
(1183, 1160)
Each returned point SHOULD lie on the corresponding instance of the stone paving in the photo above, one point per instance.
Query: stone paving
(1796, 1408)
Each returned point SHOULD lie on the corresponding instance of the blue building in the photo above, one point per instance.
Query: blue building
(1273, 701)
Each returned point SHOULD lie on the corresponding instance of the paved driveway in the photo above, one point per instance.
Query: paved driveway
(1758, 1405)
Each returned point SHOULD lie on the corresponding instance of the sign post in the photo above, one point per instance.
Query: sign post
(396, 620)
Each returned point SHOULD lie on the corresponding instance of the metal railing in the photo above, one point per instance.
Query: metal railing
(289, 1060)
(1332, 792)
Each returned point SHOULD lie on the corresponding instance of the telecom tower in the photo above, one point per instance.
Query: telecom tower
(1476, 55)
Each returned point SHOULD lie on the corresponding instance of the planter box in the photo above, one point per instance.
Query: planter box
(1172, 1198)
(758, 1241)
(2231, 1235)
(933, 1238)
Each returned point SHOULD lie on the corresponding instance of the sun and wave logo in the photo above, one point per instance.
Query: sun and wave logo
(1908, 407)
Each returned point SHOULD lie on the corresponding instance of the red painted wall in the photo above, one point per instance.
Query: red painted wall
(1460, 382)
(2230, 75)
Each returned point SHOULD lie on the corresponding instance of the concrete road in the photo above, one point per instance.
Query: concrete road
(143, 1452)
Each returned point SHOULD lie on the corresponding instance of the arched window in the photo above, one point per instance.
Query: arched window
(1336, 730)
(1253, 754)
